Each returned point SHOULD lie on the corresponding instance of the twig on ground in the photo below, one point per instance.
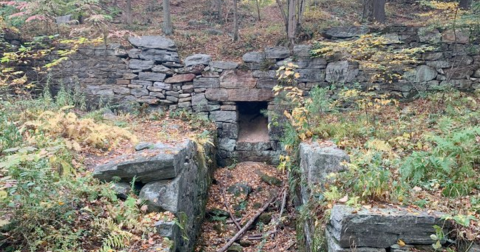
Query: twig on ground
(227, 207)
(239, 234)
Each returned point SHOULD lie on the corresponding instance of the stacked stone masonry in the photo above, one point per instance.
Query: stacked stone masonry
(152, 73)
(363, 229)
(171, 178)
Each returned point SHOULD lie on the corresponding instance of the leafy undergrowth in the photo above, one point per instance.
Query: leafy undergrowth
(422, 154)
(244, 189)
(48, 198)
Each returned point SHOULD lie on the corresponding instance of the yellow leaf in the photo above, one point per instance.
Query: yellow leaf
(401, 243)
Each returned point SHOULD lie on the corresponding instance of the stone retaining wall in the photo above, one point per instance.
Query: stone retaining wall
(362, 229)
(171, 178)
(152, 73)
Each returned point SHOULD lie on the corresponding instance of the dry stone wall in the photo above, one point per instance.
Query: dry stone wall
(363, 229)
(151, 72)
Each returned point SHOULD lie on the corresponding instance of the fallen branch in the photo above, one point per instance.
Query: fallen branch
(239, 234)
(227, 206)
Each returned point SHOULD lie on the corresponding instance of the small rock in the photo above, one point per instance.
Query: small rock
(122, 189)
(270, 180)
(239, 189)
(235, 248)
(143, 146)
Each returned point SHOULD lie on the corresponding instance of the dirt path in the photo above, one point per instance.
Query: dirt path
(245, 189)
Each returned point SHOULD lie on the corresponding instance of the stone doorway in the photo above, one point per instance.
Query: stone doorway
(252, 122)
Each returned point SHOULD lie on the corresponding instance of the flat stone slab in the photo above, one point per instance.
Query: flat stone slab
(345, 32)
(153, 42)
(381, 227)
(148, 165)
(244, 94)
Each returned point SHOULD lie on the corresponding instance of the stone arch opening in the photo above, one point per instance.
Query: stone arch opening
(252, 122)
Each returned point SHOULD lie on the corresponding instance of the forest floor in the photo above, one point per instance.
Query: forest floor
(239, 192)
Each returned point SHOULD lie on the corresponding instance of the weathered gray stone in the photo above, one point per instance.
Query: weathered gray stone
(333, 246)
(254, 146)
(439, 64)
(477, 73)
(198, 59)
(162, 195)
(138, 92)
(172, 99)
(166, 228)
(227, 144)
(317, 63)
(315, 75)
(429, 35)
(159, 55)
(266, 83)
(153, 42)
(224, 116)
(203, 82)
(134, 53)
(237, 79)
(278, 52)
(302, 51)
(199, 102)
(254, 57)
(225, 65)
(121, 90)
(159, 87)
(317, 161)
(180, 78)
(345, 32)
(425, 73)
(122, 189)
(221, 94)
(271, 74)
(381, 227)
(229, 130)
(140, 64)
(149, 76)
(457, 36)
(433, 55)
(162, 69)
(145, 166)
(341, 72)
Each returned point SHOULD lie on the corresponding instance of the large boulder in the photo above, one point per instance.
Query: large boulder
(153, 42)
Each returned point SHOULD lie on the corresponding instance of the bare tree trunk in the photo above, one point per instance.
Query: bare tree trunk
(374, 10)
(219, 9)
(167, 21)
(235, 21)
(379, 11)
(129, 12)
(367, 10)
(258, 9)
(292, 21)
(465, 4)
(284, 15)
